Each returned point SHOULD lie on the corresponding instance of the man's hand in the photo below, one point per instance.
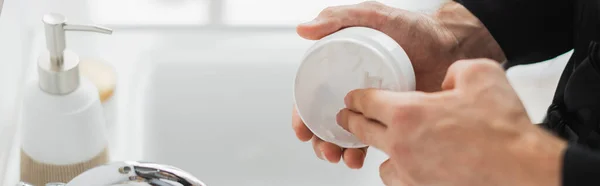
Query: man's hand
(474, 132)
(432, 42)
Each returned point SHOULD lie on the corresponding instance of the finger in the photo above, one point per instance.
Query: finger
(326, 151)
(390, 175)
(316, 147)
(355, 158)
(302, 132)
(368, 131)
(373, 103)
(471, 72)
(387, 172)
(367, 14)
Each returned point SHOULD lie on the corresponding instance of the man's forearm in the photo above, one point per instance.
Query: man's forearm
(549, 161)
(539, 156)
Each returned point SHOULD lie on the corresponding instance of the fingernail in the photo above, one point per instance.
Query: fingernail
(363, 155)
(319, 154)
(323, 155)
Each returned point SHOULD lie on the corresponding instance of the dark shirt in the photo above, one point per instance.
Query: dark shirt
(536, 30)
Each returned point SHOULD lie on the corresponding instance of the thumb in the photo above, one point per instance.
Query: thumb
(465, 73)
(367, 14)
(391, 177)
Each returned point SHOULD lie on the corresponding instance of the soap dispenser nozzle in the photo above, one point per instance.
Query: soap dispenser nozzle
(58, 69)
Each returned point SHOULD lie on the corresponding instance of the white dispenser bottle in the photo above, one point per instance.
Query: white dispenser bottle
(63, 130)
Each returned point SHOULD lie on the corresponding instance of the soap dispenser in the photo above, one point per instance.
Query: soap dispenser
(63, 130)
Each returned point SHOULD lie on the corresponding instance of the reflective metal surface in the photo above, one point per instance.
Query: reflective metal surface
(123, 172)
(157, 174)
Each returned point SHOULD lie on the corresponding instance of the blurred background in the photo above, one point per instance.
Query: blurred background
(173, 55)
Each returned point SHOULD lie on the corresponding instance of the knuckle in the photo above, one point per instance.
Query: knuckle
(377, 13)
(471, 69)
(478, 76)
(359, 11)
(480, 67)
(486, 64)
(409, 112)
(329, 11)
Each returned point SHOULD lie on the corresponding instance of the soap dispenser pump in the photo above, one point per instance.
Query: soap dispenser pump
(63, 130)
(58, 67)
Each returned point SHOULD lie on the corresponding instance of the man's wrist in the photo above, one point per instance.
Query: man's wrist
(472, 37)
(540, 157)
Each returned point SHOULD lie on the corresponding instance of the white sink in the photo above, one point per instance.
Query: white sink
(229, 124)
(224, 115)
(217, 103)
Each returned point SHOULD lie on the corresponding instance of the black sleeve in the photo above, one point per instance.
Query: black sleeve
(528, 31)
(581, 167)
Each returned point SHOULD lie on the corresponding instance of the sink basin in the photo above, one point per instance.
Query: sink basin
(224, 116)
(216, 102)
(228, 122)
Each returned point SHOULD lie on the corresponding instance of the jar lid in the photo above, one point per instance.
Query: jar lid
(352, 58)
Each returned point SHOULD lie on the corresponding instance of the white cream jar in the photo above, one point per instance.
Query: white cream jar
(352, 58)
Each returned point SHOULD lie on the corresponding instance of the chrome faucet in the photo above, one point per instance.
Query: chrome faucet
(130, 171)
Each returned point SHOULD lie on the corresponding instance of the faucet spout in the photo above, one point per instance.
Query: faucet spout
(158, 172)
